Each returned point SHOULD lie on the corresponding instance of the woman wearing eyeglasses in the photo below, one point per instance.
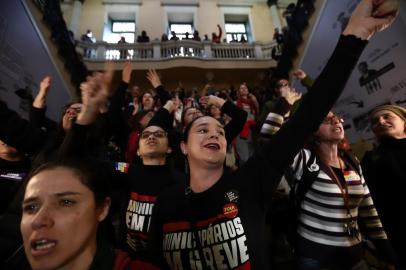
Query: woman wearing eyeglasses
(138, 188)
(332, 203)
(217, 220)
(144, 181)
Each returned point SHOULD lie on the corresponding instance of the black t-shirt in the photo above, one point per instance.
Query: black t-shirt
(229, 217)
(145, 183)
(12, 174)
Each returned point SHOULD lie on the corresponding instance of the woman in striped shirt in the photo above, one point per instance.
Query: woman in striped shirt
(336, 206)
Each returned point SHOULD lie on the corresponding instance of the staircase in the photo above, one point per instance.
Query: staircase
(49, 20)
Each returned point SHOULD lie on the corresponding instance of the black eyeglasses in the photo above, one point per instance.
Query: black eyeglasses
(157, 134)
(332, 119)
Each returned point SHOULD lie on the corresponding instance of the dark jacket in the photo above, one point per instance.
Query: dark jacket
(384, 170)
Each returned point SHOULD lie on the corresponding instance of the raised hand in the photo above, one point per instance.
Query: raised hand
(211, 100)
(136, 106)
(299, 74)
(291, 95)
(172, 105)
(40, 99)
(372, 16)
(127, 70)
(95, 92)
(45, 83)
(153, 78)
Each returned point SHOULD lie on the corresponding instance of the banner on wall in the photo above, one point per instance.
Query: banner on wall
(378, 78)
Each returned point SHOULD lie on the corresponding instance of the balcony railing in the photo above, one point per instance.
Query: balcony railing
(157, 50)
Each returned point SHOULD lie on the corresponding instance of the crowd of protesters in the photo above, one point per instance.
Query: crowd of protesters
(175, 179)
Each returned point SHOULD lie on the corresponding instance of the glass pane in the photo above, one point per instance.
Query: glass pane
(235, 28)
(123, 27)
(129, 37)
(111, 37)
(114, 37)
(181, 28)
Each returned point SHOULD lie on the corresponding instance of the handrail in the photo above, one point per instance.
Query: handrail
(173, 49)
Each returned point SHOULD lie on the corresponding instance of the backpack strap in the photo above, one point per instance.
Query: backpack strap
(352, 161)
(310, 171)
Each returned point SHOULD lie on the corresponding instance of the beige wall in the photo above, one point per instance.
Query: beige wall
(151, 16)
(208, 17)
(150, 19)
(92, 17)
(262, 25)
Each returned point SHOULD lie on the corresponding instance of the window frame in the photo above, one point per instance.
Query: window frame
(180, 35)
(124, 32)
(237, 34)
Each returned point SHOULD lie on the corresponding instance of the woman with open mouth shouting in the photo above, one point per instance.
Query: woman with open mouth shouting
(217, 220)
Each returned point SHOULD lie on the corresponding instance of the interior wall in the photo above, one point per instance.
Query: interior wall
(262, 25)
(93, 18)
(209, 16)
(152, 18)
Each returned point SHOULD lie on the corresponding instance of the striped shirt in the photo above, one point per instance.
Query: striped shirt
(323, 214)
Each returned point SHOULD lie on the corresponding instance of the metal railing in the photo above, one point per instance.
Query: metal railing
(174, 49)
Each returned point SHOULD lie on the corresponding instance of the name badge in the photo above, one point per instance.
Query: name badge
(351, 176)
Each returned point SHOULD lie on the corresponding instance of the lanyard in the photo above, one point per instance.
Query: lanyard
(342, 186)
(350, 227)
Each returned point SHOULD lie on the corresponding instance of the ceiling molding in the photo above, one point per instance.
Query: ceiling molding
(235, 5)
(180, 5)
(122, 2)
(240, 3)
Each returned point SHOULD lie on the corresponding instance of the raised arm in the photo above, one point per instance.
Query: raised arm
(155, 81)
(220, 31)
(305, 79)
(95, 92)
(329, 85)
(275, 118)
(117, 100)
(40, 99)
(38, 108)
(118, 122)
(238, 116)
